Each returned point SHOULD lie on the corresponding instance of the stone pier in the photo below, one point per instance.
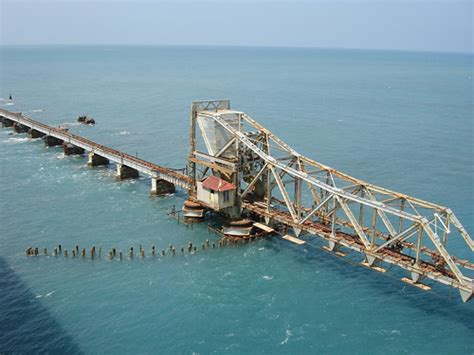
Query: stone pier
(126, 172)
(71, 149)
(161, 187)
(36, 134)
(51, 141)
(6, 122)
(19, 128)
(96, 160)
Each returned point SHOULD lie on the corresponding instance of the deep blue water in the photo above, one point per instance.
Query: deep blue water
(400, 120)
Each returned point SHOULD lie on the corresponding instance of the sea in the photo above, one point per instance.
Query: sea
(402, 120)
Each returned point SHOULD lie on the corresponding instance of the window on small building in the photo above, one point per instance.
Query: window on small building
(226, 196)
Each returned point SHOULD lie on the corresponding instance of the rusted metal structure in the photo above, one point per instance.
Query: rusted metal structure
(281, 186)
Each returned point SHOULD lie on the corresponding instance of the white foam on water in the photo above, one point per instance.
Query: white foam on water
(50, 293)
(9, 104)
(18, 140)
(36, 110)
(71, 124)
(266, 277)
(288, 335)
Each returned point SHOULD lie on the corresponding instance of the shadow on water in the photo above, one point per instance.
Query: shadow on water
(434, 303)
(26, 326)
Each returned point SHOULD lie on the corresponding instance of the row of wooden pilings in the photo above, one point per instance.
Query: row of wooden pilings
(113, 253)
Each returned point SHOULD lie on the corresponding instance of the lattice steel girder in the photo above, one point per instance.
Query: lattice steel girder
(343, 190)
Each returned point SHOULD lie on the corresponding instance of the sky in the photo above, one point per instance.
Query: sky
(417, 25)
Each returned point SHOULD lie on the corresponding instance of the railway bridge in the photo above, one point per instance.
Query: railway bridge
(238, 168)
(163, 180)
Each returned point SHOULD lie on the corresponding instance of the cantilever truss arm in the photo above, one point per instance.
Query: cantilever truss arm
(350, 198)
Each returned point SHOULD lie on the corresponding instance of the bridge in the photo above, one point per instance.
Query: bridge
(163, 179)
(297, 196)
(301, 196)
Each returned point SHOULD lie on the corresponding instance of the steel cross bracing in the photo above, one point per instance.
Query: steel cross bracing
(335, 206)
(143, 166)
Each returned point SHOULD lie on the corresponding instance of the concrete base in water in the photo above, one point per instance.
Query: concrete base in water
(19, 128)
(51, 141)
(96, 160)
(6, 122)
(71, 149)
(126, 172)
(161, 187)
(36, 134)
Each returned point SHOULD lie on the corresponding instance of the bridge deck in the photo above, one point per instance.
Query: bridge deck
(353, 242)
(143, 166)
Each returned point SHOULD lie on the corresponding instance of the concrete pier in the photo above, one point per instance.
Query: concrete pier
(161, 187)
(35, 134)
(6, 122)
(51, 141)
(96, 160)
(125, 172)
(71, 149)
(19, 128)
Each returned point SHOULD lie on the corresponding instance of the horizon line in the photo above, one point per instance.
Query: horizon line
(235, 46)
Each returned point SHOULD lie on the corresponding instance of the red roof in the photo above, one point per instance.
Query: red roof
(216, 184)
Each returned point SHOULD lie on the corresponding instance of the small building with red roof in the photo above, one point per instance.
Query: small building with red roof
(216, 192)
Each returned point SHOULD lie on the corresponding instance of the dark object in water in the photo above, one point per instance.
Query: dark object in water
(86, 120)
(10, 97)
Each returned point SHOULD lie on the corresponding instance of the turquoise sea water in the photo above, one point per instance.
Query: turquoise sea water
(400, 120)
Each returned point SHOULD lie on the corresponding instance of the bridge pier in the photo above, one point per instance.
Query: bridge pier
(96, 160)
(126, 172)
(71, 149)
(36, 134)
(6, 122)
(51, 141)
(19, 128)
(161, 187)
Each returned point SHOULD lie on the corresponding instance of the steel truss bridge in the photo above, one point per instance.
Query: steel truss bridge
(284, 187)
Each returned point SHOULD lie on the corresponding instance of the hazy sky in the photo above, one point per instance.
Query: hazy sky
(428, 25)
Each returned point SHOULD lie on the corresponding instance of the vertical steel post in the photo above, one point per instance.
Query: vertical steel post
(418, 244)
(402, 207)
(374, 223)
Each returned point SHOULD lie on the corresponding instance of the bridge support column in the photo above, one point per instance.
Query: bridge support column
(6, 122)
(19, 128)
(161, 187)
(126, 172)
(96, 160)
(71, 149)
(467, 295)
(51, 141)
(36, 134)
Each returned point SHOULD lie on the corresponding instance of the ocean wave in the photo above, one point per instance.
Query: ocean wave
(36, 110)
(9, 104)
(18, 140)
(121, 133)
(71, 124)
